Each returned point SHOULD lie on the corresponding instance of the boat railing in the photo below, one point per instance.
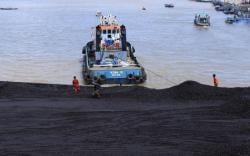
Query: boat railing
(110, 65)
(108, 20)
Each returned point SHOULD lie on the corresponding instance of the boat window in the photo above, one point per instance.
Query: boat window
(109, 36)
(113, 31)
(109, 31)
(104, 31)
(118, 31)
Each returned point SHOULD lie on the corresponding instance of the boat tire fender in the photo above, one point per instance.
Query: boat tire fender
(102, 78)
(137, 79)
(130, 76)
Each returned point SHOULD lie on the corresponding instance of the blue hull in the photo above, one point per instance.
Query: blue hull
(117, 76)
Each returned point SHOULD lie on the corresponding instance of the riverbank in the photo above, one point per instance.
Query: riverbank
(188, 119)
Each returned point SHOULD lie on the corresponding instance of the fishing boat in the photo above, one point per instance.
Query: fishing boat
(202, 20)
(230, 20)
(109, 57)
(169, 5)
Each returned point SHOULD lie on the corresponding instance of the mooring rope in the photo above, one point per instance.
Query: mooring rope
(162, 77)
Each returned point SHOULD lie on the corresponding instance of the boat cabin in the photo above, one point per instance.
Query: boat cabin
(111, 47)
(202, 20)
(110, 37)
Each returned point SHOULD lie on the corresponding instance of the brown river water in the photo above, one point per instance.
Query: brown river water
(42, 41)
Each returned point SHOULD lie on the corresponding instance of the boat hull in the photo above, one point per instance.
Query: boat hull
(116, 76)
(132, 74)
(201, 24)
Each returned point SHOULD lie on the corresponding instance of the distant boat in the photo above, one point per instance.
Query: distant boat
(169, 5)
(230, 20)
(230, 9)
(202, 20)
(8, 8)
(219, 8)
(217, 3)
(143, 8)
(206, 1)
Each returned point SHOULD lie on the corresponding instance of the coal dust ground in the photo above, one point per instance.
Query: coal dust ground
(185, 120)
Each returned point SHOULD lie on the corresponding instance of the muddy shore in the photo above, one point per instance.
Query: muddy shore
(188, 119)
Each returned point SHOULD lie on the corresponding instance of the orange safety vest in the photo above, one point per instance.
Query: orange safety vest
(216, 82)
(117, 45)
(75, 83)
(103, 45)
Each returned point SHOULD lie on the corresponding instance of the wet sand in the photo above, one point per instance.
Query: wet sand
(188, 119)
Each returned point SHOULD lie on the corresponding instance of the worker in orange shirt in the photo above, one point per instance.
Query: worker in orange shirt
(76, 86)
(216, 82)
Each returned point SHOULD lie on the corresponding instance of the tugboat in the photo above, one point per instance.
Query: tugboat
(169, 5)
(109, 58)
(202, 20)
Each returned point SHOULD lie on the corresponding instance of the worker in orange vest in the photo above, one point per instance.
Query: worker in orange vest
(216, 82)
(76, 86)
